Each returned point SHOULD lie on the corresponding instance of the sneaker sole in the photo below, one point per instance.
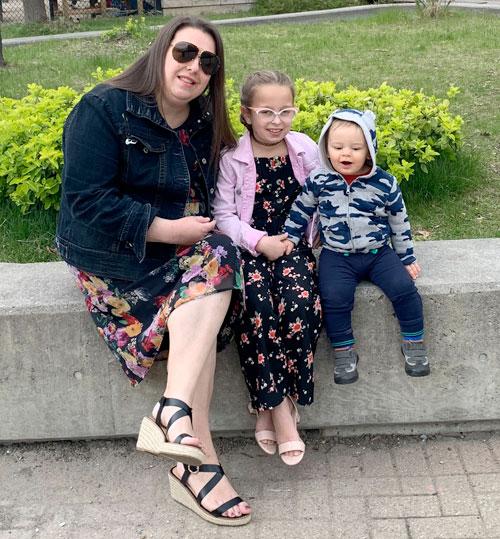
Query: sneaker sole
(415, 373)
(344, 381)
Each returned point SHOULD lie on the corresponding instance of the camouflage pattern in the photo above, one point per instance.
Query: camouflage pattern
(366, 215)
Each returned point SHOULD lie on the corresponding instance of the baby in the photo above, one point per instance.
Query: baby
(365, 234)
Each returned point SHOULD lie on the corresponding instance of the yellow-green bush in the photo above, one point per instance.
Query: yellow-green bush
(30, 145)
(412, 128)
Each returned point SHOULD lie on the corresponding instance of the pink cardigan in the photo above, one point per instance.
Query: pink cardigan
(235, 193)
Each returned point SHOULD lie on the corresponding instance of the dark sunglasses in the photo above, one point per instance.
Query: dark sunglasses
(184, 52)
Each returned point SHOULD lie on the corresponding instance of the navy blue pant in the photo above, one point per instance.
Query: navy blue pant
(338, 277)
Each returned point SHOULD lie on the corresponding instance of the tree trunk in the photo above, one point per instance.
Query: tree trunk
(34, 11)
(2, 59)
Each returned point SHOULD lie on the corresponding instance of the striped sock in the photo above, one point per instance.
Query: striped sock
(417, 336)
(343, 345)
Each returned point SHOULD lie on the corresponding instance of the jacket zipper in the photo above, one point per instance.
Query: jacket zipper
(348, 193)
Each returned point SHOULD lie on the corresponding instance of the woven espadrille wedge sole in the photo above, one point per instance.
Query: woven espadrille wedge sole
(153, 436)
(182, 494)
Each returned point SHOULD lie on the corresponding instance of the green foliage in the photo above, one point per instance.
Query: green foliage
(30, 145)
(271, 7)
(412, 129)
(135, 27)
(101, 75)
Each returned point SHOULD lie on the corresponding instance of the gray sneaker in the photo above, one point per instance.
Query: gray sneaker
(346, 366)
(416, 360)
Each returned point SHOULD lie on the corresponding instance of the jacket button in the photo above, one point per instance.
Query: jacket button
(204, 161)
(145, 150)
(212, 191)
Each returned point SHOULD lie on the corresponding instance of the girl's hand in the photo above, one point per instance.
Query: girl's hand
(413, 269)
(289, 246)
(183, 231)
(272, 247)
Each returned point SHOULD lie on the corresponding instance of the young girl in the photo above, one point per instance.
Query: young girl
(279, 327)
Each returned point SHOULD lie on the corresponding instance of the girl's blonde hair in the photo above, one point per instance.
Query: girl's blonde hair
(260, 78)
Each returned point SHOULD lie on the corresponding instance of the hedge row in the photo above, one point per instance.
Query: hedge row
(412, 128)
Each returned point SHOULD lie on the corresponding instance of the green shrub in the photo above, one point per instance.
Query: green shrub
(30, 145)
(411, 126)
(135, 27)
(412, 129)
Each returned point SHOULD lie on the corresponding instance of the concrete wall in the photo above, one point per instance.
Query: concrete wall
(58, 379)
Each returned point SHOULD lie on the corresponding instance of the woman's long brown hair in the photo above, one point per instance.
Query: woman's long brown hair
(146, 77)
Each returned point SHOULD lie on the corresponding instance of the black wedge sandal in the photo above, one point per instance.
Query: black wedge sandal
(153, 436)
(181, 493)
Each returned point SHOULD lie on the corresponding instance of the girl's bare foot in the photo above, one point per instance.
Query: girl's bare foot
(263, 423)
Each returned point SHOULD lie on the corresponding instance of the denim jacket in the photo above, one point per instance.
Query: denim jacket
(123, 166)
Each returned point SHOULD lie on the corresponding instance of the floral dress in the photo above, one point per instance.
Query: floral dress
(279, 327)
(132, 316)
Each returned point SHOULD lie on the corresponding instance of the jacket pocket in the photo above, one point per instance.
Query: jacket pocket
(145, 162)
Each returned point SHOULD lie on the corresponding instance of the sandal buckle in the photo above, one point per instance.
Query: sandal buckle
(193, 469)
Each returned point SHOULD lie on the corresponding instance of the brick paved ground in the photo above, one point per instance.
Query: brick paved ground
(376, 488)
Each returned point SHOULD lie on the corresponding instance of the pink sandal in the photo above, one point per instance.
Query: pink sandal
(262, 436)
(294, 445)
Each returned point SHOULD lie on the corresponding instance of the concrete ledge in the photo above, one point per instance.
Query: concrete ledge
(59, 381)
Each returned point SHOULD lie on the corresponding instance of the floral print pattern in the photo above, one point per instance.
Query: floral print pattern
(280, 325)
(132, 316)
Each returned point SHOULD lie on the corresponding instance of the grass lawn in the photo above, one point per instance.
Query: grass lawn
(86, 23)
(456, 200)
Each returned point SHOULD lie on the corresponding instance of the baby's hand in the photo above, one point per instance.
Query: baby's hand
(272, 247)
(413, 269)
(289, 246)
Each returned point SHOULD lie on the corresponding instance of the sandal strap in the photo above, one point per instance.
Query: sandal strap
(227, 505)
(181, 437)
(185, 410)
(216, 469)
(219, 473)
(188, 470)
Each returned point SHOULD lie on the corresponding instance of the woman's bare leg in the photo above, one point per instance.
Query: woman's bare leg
(193, 329)
(223, 491)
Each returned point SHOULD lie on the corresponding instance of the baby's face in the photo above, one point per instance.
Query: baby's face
(347, 149)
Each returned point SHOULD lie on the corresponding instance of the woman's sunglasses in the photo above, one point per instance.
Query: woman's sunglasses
(184, 52)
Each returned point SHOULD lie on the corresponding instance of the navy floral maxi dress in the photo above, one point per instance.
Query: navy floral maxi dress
(280, 324)
(132, 316)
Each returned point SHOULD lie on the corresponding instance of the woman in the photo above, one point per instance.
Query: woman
(135, 226)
